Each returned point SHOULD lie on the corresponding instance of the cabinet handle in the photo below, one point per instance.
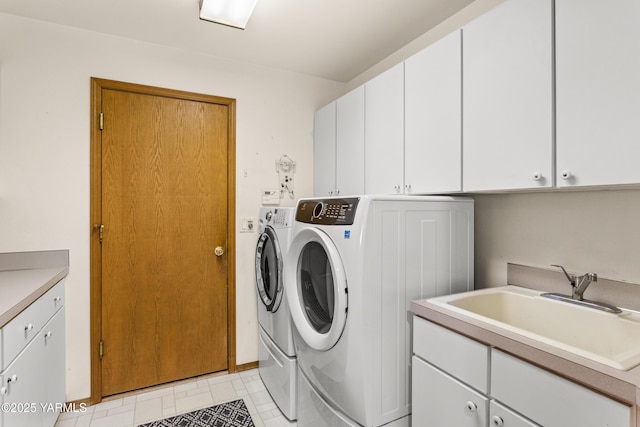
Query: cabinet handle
(12, 379)
(48, 334)
(497, 421)
(537, 176)
(29, 327)
(408, 188)
(470, 408)
(3, 390)
(566, 174)
(57, 299)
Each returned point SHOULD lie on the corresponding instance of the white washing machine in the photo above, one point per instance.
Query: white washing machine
(276, 353)
(354, 265)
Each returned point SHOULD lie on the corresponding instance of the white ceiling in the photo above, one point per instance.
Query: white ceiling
(333, 39)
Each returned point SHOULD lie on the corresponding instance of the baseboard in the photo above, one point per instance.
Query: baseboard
(247, 366)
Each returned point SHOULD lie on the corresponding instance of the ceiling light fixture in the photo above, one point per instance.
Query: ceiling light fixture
(233, 13)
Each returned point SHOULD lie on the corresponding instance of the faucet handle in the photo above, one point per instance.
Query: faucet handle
(570, 277)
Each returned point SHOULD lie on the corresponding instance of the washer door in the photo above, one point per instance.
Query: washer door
(269, 269)
(316, 288)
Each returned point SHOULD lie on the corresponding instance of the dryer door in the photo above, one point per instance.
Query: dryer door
(316, 288)
(269, 269)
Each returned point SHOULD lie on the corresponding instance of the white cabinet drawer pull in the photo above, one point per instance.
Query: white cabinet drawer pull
(29, 327)
(57, 299)
(13, 379)
(497, 421)
(537, 176)
(470, 408)
(566, 175)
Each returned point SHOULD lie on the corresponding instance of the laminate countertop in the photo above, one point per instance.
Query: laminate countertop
(26, 276)
(20, 288)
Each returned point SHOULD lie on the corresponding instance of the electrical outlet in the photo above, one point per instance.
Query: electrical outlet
(248, 224)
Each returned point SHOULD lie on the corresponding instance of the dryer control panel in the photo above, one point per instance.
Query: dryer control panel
(334, 211)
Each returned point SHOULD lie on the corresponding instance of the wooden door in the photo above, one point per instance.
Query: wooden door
(164, 211)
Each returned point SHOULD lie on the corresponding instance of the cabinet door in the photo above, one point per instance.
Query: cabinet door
(549, 399)
(433, 118)
(508, 97)
(384, 130)
(52, 340)
(324, 151)
(22, 381)
(597, 92)
(350, 143)
(501, 416)
(440, 400)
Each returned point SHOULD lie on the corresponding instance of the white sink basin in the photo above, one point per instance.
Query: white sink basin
(611, 339)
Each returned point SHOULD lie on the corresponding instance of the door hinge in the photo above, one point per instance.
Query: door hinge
(100, 229)
(101, 349)
(101, 121)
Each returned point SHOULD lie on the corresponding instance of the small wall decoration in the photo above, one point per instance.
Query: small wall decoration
(286, 168)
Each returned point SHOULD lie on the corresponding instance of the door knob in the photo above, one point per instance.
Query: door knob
(219, 251)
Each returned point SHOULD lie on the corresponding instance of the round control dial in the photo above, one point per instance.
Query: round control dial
(317, 210)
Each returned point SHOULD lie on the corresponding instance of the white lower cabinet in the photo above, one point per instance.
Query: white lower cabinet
(52, 340)
(462, 407)
(32, 382)
(448, 388)
(22, 382)
(549, 399)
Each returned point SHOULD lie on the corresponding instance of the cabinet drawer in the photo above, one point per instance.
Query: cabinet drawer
(20, 331)
(52, 301)
(459, 356)
(441, 400)
(549, 399)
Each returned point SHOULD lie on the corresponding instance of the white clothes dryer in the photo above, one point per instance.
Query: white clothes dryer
(276, 353)
(353, 266)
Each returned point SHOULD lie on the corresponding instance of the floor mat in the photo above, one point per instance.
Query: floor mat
(230, 414)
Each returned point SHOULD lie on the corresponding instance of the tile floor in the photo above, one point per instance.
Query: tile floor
(132, 409)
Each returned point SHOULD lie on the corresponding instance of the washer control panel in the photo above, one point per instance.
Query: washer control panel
(334, 211)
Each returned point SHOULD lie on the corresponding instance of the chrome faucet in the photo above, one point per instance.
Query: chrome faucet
(579, 284)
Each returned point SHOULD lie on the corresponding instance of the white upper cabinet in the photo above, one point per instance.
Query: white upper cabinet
(338, 146)
(350, 143)
(384, 130)
(597, 92)
(433, 158)
(508, 97)
(324, 151)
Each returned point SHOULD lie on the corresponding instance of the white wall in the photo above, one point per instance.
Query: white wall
(586, 231)
(455, 22)
(44, 148)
